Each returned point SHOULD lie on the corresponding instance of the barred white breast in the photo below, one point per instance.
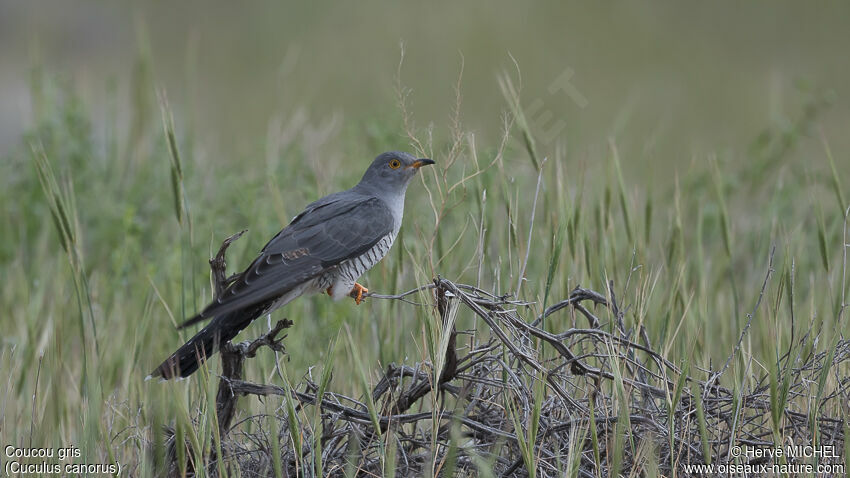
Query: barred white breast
(349, 271)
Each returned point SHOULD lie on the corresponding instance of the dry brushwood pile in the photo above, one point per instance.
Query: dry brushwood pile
(513, 395)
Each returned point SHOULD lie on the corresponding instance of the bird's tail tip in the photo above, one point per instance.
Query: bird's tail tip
(179, 365)
(163, 378)
(186, 359)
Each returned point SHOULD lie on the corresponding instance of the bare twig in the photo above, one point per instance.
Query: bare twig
(232, 361)
(218, 265)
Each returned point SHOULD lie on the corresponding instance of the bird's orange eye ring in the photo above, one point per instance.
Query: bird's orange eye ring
(395, 164)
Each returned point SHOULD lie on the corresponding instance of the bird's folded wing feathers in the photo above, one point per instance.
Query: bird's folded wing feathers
(320, 238)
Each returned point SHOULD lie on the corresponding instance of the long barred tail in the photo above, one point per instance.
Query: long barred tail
(186, 360)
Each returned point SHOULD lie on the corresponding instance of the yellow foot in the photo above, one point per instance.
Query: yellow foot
(357, 292)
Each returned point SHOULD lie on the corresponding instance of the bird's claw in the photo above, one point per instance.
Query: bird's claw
(357, 293)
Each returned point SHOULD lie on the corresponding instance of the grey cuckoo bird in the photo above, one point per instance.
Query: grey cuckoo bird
(325, 248)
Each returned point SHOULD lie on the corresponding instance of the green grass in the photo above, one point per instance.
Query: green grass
(105, 237)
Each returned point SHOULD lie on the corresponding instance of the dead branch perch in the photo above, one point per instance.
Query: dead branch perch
(488, 396)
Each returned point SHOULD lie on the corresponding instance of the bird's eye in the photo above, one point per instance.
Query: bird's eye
(395, 164)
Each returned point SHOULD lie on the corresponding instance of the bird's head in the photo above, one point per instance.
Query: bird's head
(392, 171)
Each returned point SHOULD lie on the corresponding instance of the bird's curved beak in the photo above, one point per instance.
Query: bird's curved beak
(421, 162)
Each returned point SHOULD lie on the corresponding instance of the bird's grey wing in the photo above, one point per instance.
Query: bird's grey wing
(314, 242)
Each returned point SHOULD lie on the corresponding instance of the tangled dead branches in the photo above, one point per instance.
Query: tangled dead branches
(526, 401)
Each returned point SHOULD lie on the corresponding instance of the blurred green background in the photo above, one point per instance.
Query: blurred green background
(684, 139)
(673, 78)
